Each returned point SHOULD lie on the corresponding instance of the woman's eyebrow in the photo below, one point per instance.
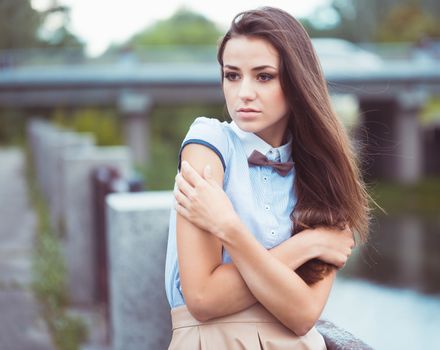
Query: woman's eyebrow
(254, 69)
(231, 67)
(264, 67)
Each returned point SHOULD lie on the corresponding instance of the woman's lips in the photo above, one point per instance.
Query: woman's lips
(247, 113)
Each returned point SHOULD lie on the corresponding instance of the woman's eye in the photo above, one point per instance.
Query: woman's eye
(265, 77)
(231, 76)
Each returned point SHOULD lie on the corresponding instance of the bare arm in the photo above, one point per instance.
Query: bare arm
(226, 292)
(212, 289)
(297, 305)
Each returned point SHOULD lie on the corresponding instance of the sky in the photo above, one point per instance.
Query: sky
(102, 22)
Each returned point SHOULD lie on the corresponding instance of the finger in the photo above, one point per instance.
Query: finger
(190, 174)
(181, 198)
(207, 175)
(181, 210)
(184, 186)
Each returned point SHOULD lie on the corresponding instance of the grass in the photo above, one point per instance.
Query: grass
(49, 274)
(422, 198)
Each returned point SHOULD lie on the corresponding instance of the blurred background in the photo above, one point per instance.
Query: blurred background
(137, 74)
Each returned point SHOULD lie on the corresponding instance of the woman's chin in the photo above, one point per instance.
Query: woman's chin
(246, 126)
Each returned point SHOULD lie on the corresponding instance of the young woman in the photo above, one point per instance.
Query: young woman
(265, 204)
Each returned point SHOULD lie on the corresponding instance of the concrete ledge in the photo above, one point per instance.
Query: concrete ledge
(339, 339)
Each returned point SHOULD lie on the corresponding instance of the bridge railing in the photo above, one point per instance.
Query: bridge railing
(173, 54)
(74, 56)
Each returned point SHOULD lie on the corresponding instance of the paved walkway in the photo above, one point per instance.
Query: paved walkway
(21, 326)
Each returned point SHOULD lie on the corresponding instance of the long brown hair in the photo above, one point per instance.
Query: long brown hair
(328, 184)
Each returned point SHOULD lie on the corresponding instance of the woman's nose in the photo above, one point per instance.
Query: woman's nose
(247, 90)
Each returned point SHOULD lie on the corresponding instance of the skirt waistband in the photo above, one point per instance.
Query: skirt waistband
(181, 317)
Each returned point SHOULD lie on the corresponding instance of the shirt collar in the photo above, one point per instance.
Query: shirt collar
(251, 142)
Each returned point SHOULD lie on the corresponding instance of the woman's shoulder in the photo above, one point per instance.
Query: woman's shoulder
(209, 122)
(212, 133)
(208, 129)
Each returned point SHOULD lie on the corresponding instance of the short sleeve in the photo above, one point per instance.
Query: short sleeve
(208, 132)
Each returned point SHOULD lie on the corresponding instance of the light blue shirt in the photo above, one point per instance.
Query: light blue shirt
(262, 198)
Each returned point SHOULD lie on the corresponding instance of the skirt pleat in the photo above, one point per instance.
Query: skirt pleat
(275, 336)
(228, 336)
(186, 338)
(251, 329)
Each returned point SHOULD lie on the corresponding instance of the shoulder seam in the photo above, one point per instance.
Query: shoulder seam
(207, 144)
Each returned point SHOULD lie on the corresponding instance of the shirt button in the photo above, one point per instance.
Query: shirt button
(264, 178)
(267, 207)
(272, 232)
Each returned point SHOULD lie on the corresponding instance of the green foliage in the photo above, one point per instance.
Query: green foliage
(421, 198)
(64, 38)
(12, 126)
(377, 20)
(183, 28)
(407, 23)
(21, 26)
(104, 123)
(50, 272)
(19, 23)
(169, 125)
(68, 332)
(430, 112)
(49, 275)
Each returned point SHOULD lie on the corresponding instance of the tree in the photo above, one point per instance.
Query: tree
(379, 20)
(407, 23)
(60, 37)
(21, 27)
(183, 28)
(19, 23)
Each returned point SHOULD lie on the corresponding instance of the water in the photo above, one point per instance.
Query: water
(388, 295)
(385, 318)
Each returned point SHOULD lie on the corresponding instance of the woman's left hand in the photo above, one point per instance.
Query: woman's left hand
(202, 201)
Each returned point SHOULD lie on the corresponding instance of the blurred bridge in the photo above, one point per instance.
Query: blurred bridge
(390, 95)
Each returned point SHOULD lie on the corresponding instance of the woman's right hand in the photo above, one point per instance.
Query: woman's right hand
(331, 245)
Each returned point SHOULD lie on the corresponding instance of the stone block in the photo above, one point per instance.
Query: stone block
(68, 142)
(79, 240)
(138, 232)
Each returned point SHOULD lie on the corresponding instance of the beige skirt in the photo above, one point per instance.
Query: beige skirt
(251, 329)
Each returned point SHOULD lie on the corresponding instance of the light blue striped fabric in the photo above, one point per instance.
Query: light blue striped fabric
(262, 198)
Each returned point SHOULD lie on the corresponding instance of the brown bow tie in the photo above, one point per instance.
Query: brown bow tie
(257, 158)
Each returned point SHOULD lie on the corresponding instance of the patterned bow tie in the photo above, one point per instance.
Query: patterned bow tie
(257, 158)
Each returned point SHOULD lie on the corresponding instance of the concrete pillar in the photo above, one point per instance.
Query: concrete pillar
(138, 231)
(71, 142)
(409, 137)
(35, 129)
(376, 135)
(47, 140)
(134, 108)
(79, 241)
(391, 137)
(411, 250)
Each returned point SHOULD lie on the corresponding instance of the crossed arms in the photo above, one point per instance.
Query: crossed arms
(206, 222)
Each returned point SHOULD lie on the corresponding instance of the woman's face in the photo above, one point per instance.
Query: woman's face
(252, 88)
